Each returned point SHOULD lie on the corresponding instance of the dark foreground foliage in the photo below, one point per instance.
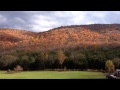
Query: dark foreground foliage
(74, 59)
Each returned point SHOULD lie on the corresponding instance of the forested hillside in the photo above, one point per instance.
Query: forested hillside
(73, 47)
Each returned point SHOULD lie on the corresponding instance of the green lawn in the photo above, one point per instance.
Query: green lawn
(53, 75)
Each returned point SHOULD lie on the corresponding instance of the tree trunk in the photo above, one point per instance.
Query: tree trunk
(61, 66)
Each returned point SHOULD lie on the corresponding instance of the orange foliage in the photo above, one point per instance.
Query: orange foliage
(65, 36)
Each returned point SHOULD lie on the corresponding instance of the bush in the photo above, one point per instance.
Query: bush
(18, 68)
(8, 70)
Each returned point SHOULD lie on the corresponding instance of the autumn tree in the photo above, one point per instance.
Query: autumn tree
(60, 57)
(109, 66)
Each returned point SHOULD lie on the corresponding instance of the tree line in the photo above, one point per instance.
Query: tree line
(64, 58)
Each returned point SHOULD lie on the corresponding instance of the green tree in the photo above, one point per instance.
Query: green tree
(109, 66)
(7, 60)
(116, 62)
(38, 64)
(24, 61)
(45, 55)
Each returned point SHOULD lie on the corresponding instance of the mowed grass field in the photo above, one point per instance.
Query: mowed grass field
(52, 75)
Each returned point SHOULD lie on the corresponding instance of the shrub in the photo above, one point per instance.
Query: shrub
(18, 68)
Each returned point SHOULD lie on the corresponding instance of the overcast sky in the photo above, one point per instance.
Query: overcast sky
(39, 21)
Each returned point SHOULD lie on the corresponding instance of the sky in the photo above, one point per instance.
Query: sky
(39, 21)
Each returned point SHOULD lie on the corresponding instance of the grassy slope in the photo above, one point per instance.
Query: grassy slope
(53, 75)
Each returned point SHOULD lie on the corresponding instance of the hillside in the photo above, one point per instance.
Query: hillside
(61, 37)
(82, 34)
(82, 47)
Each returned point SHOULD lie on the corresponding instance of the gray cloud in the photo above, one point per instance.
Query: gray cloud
(38, 21)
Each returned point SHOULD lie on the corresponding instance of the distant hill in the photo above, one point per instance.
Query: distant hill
(95, 35)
